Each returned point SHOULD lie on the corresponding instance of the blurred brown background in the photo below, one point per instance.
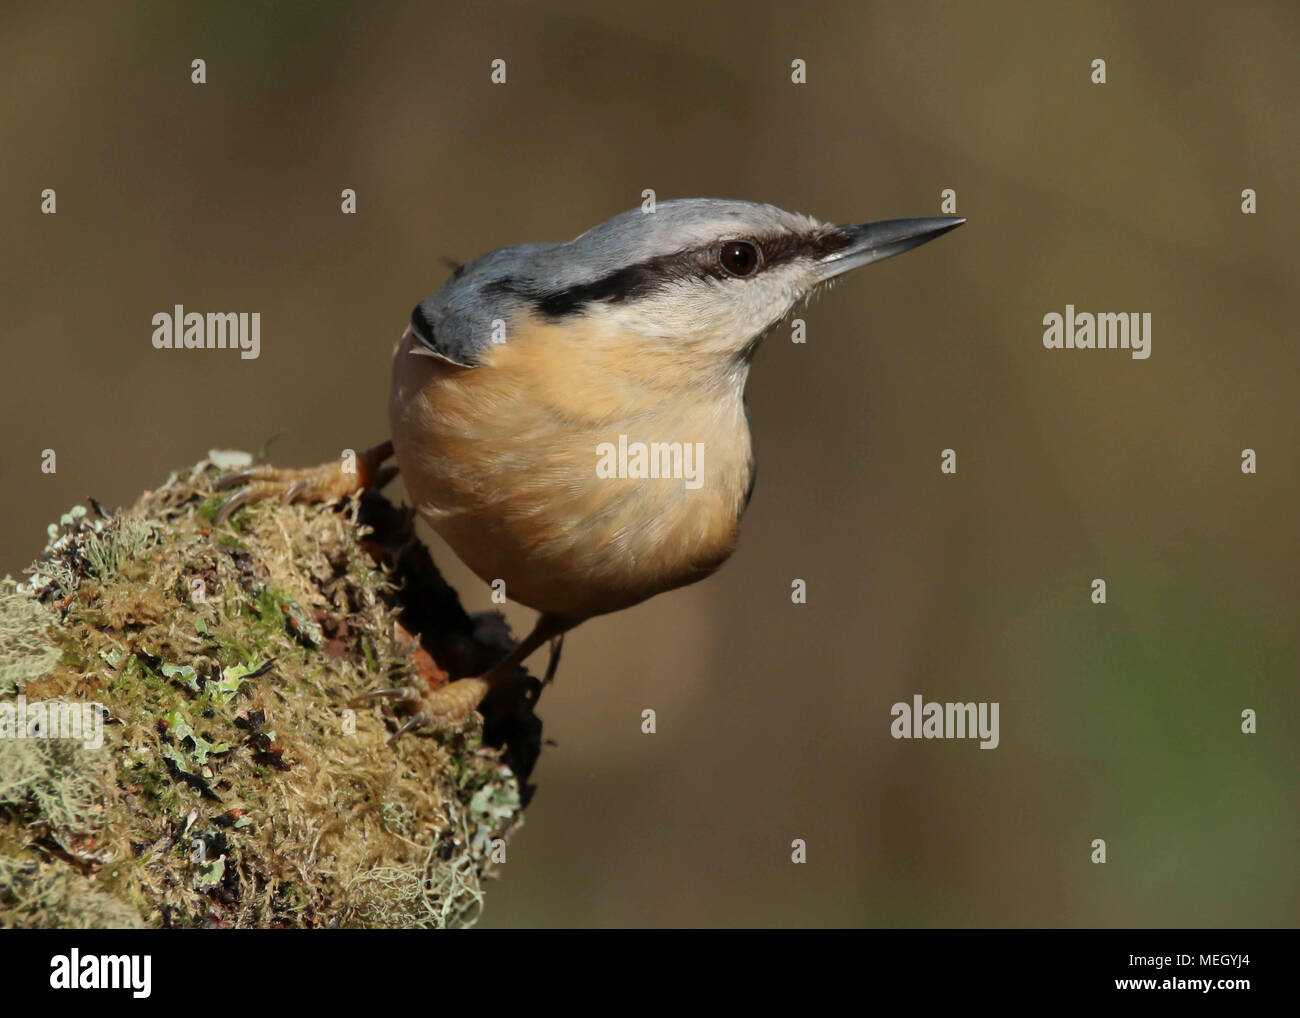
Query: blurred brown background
(1118, 722)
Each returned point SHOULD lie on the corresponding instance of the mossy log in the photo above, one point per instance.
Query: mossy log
(233, 787)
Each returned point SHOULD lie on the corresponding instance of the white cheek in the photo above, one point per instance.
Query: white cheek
(674, 314)
(725, 314)
(754, 306)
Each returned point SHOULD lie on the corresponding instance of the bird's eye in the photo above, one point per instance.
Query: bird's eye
(738, 257)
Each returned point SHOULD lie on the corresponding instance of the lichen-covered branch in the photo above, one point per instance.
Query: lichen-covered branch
(231, 785)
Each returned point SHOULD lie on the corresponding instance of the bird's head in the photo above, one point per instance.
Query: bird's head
(702, 274)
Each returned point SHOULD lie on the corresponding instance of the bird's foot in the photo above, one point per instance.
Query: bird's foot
(441, 709)
(329, 482)
(449, 706)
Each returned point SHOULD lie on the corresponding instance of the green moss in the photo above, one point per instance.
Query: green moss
(208, 508)
(228, 728)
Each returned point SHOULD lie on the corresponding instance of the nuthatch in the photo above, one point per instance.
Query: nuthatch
(570, 417)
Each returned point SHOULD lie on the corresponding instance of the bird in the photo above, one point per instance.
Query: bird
(570, 417)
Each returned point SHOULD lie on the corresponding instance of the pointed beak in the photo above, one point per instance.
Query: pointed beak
(872, 242)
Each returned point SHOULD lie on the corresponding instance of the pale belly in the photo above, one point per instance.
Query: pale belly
(555, 503)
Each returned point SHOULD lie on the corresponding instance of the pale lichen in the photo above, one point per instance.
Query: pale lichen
(234, 787)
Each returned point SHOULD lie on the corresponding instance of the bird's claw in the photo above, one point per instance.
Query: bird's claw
(443, 708)
(329, 482)
(406, 694)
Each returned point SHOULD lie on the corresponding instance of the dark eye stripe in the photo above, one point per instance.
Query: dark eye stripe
(653, 274)
(786, 247)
